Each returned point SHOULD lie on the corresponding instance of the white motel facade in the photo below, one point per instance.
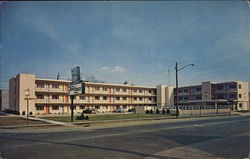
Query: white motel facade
(50, 96)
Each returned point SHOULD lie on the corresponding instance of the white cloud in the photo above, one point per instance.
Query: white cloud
(116, 69)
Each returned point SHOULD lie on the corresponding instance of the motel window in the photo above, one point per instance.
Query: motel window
(140, 98)
(239, 95)
(39, 108)
(220, 96)
(97, 97)
(105, 88)
(232, 86)
(104, 98)
(135, 98)
(55, 96)
(55, 107)
(140, 90)
(124, 90)
(185, 90)
(40, 96)
(240, 104)
(82, 107)
(124, 98)
(40, 85)
(149, 99)
(197, 89)
(232, 96)
(220, 87)
(239, 86)
(82, 97)
(117, 89)
(117, 98)
(135, 90)
(185, 98)
(55, 85)
(97, 88)
(149, 91)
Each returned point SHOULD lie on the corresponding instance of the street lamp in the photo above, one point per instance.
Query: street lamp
(176, 69)
(27, 94)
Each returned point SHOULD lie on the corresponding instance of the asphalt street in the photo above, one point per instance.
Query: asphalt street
(224, 137)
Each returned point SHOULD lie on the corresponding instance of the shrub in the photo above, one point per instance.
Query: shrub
(131, 110)
(157, 111)
(82, 117)
(11, 111)
(151, 111)
(163, 111)
(87, 117)
(168, 111)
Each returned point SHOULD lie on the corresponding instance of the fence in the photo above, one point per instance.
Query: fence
(202, 110)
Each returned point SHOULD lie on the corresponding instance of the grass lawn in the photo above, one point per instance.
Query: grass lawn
(93, 117)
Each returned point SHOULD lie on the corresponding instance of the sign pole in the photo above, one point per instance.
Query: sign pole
(27, 112)
(72, 107)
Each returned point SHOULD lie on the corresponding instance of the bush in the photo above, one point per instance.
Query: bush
(131, 110)
(82, 117)
(157, 111)
(11, 111)
(87, 117)
(151, 111)
(168, 111)
(147, 112)
(163, 111)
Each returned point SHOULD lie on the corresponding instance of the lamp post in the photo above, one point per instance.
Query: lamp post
(176, 82)
(27, 94)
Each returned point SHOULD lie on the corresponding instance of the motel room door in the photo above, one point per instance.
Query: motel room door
(47, 109)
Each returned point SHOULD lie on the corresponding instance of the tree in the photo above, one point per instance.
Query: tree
(92, 78)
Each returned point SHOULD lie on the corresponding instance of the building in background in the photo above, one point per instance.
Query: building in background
(52, 96)
(233, 93)
(4, 100)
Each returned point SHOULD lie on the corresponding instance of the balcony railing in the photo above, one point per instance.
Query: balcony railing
(47, 89)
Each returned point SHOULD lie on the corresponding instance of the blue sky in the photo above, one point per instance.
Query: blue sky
(133, 41)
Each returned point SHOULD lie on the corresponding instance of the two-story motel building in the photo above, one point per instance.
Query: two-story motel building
(52, 96)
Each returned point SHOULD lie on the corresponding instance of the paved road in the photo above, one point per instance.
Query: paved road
(225, 137)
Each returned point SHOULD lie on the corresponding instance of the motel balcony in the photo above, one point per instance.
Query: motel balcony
(53, 90)
(51, 101)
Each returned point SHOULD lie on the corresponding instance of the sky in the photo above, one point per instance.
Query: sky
(135, 41)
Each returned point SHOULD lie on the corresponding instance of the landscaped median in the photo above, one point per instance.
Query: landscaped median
(105, 117)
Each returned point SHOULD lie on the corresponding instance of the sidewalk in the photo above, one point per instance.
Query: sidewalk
(49, 121)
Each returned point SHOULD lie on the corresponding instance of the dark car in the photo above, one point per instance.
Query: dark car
(89, 111)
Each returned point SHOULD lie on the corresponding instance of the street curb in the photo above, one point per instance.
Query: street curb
(25, 126)
(145, 119)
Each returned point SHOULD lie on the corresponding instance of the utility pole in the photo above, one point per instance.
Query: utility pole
(72, 107)
(177, 90)
(169, 77)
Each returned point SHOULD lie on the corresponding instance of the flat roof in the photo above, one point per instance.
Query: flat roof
(118, 85)
(93, 83)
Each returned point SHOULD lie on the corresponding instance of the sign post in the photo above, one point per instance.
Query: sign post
(76, 87)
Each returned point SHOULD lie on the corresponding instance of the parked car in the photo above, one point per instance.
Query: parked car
(89, 111)
(119, 110)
